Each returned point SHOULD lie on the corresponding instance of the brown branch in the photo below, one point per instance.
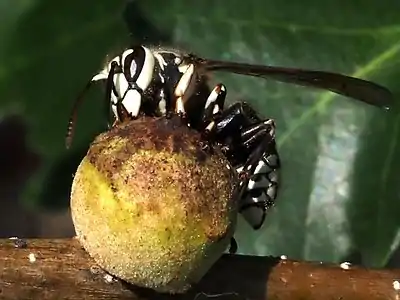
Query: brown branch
(61, 269)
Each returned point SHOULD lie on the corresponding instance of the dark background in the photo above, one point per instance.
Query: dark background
(341, 159)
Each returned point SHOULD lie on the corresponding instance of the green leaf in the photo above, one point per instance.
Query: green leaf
(50, 50)
(339, 157)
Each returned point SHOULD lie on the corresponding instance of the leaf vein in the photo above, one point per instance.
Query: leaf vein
(326, 97)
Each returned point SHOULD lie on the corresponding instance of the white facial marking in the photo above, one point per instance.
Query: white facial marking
(146, 74)
(121, 85)
(125, 54)
(132, 102)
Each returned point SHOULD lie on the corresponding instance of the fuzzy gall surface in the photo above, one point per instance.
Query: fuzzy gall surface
(151, 207)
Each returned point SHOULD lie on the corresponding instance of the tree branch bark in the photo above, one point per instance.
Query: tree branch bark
(61, 269)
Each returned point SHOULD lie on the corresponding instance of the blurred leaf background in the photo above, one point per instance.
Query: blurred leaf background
(340, 198)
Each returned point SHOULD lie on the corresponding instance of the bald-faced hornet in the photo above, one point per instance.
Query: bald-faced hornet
(159, 82)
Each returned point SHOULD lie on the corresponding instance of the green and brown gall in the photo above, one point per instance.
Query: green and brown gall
(151, 206)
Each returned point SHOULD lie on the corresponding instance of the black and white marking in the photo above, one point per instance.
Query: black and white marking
(262, 185)
(261, 190)
(132, 73)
